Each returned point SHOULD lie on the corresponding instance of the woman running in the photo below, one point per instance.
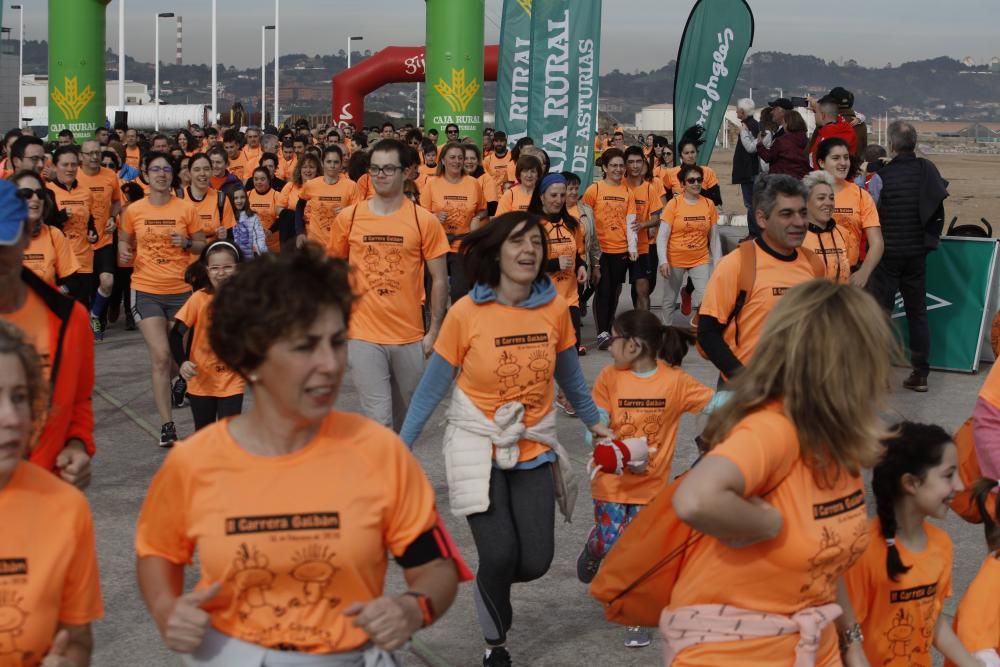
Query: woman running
(215, 214)
(73, 208)
(48, 253)
(474, 168)
(823, 236)
(687, 149)
(264, 202)
(161, 232)
(306, 169)
(650, 197)
(321, 199)
(527, 173)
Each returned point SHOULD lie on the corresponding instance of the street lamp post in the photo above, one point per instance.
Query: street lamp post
(215, 74)
(263, 74)
(156, 67)
(20, 66)
(277, 24)
(121, 55)
(349, 40)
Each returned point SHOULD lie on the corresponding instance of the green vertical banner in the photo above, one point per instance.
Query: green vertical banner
(454, 66)
(565, 60)
(960, 277)
(76, 67)
(513, 70)
(716, 39)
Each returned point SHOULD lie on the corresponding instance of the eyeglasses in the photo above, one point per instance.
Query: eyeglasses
(613, 338)
(160, 170)
(692, 181)
(452, 132)
(667, 153)
(91, 153)
(25, 194)
(387, 170)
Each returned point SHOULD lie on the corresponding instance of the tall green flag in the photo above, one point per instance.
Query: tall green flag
(454, 66)
(513, 70)
(716, 39)
(76, 67)
(565, 60)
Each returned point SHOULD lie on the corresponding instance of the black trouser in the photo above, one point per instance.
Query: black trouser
(515, 541)
(909, 276)
(614, 273)
(574, 313)
(122, 290)
(81, 286)
(209, 409)
(458, 286)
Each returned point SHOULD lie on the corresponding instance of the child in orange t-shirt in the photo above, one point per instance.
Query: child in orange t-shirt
(642, 395)
(898, 586)
(214, 390)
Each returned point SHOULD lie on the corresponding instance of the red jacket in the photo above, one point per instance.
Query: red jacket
(841, 129)
(71, 345)
(787, 155)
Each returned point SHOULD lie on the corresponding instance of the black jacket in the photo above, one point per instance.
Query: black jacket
(746, 165)
(911, 207)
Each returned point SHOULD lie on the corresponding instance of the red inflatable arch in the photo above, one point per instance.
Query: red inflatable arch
(393, 64)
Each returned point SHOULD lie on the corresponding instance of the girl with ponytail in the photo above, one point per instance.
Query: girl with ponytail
(898, 587)
(641, 395)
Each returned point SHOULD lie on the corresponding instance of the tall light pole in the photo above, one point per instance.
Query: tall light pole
(277, 24)
(263, 74)
(349, 40)
(215, 74)
(156, 67)
(20, 66)
(121, 55)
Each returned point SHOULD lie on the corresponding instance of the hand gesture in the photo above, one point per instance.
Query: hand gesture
(188, 370)
(386, 621)
(601, 431)
(73, 464)
(185, 626)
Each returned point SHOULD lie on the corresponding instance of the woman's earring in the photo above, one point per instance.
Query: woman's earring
(253, 378)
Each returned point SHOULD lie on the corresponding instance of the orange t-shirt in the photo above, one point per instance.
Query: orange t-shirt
(461, 201)
(324, 202)
(251, 157)
(649, 407)
(159, 264)
(50, 256)
(855, 211)
(78, 203)
(977, 621)
(286, 168)
(496, 167)
(507, 354)
(612, 204)
(648, 200)
(266, 207)
(990, 391)
(673, 184)
(897, 618)
(427, 172)
(831, 247)
(387, 254)
(207, 211)
(214, 378)
(132, 156)
(33, 319)
(238, 167)
(289, 196)
(489, 186)
(690, 228)
(293, 559)
(511, 175)
(365, 186)
(824, 530)
(772, 279)
(515, 199)
(48, 576)
(564, 243)
(105, 191)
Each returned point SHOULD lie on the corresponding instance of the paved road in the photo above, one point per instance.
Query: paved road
(555, 621)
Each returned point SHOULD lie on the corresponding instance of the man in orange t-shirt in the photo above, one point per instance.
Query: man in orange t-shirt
(106, 204)
(780, 207)
(387, 240)
(237, 160)
(496, 163)
(323, 198)
(74, 203)
(133, 154)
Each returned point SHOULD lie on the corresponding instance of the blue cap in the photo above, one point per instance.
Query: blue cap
(13, 212)
(550, 180)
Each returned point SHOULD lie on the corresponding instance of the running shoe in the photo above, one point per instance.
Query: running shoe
(95, 326)
(686, 301)
(178, 392)
(168, 435)
(636, 636)
(497, 657)
(603, 340)
(581, 351)
(587, 565)
(916, 382)
(563, 403)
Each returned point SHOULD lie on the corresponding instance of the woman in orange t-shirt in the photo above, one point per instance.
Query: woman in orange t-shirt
(528, 172)
(687, 150)
(305, 170)
(51, 591)
(474, 168)
(823, 236)
(215, 214)
(264, 201)
(296, 573)
(779, 497)
(48, 253)
(323, 198)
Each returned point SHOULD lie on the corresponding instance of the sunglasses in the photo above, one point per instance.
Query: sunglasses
(692, 181)
(25, 194)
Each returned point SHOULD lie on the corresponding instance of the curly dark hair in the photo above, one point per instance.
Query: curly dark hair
(264, 301)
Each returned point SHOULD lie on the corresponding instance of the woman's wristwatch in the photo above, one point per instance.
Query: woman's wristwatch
(849, 636)
(426, 608)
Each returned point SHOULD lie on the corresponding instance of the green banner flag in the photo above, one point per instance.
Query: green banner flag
(513, 70)
(716, 39)
(960, 275)
(76, 67)
(565, 59)
(454, 66)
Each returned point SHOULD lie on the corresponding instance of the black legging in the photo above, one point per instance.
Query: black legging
(515, 542)
(208, 409)
(614, 273)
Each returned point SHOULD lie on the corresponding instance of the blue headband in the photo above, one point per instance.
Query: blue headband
(550, 180)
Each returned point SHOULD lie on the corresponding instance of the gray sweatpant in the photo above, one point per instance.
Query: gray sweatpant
(386, 377)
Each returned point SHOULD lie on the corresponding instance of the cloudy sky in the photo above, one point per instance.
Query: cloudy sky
(637, 34)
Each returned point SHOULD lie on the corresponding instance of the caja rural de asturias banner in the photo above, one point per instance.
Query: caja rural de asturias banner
(565, 59)
(454, 67)
(513, 70)
(76, 67)
(716, 39)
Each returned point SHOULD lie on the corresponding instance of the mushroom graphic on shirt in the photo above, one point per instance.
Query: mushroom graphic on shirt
(626, 427)
(252, 579)
(371, 259)
(393, 258)
(314, 570)
(900, 636)
(539, 363)
(507, 370)
(824, 567)
(12, 619)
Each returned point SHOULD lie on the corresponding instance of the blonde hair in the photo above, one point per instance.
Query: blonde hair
(826, 352)
(818, 177)
(13, 341)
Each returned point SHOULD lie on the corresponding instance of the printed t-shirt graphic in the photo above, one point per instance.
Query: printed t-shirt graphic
(207, 211)
(897, 618)
(672, 181)
(690, 225)
(855, 211)
(496, 167)
(105, 190)
(824, 531)
(648, 200)
(159, 264)
(214, 378)
(611, 204)
(292, 559)
(515, 199)
(50, 256)
(649, 407)
(461, 201)
(266, 207)
(47, 576)
(387, 254)
(977, 621)
(507, 354)
(33, 319)
(831, 247)
(324, 202)
(77, 202)
(772, 279)
(564, 243)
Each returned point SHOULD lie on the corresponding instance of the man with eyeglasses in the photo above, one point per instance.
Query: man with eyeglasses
(387, 240)
(106, 204)
(451, 132)
(28, 153)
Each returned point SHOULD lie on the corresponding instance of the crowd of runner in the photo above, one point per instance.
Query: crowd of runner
(260, 260)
